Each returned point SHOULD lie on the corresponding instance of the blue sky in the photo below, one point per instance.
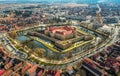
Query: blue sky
(77, 1)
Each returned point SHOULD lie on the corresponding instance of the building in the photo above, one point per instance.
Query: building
(32, 70)
(61, 32)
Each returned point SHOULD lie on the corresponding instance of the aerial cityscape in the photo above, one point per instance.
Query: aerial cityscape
(59, 37)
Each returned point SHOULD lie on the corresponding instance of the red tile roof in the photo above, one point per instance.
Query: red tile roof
(2, 72)
(40, 73)
(57, 73)
(25, 67)
(7, 66)
(64, 30)
(32, 69)
(2, 27)
(8, 73)
(17, 66)
(16, 74)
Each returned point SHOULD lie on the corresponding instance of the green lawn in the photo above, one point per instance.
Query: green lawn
(51, 46)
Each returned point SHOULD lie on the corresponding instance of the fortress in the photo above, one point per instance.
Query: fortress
(61, 32)
(61, 36)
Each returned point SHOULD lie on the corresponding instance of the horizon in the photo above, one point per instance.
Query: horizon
(64, 1)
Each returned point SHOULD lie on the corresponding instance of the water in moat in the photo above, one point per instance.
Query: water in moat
(22, 38)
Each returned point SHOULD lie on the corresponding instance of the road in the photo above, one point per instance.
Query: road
(82, 55)
(115, 35)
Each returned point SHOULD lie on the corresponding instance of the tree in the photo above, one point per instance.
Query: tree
(13, 34)
(29, 43)
(39, 51)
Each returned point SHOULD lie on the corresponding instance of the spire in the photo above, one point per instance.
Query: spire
(98, 19)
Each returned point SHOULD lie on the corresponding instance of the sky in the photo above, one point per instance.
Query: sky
(75, 1)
